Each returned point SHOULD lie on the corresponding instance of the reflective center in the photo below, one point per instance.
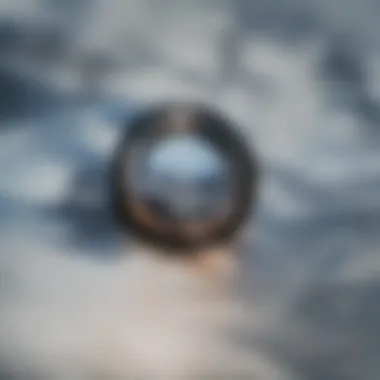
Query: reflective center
(184, 178)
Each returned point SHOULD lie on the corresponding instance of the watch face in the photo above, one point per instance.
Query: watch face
(182, 177)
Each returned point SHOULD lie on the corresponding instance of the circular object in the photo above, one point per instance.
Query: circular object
(142, 199)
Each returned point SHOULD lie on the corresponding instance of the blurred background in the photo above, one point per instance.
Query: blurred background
(301, 77)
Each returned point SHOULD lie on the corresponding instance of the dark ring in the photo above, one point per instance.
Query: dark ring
(210, 126)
